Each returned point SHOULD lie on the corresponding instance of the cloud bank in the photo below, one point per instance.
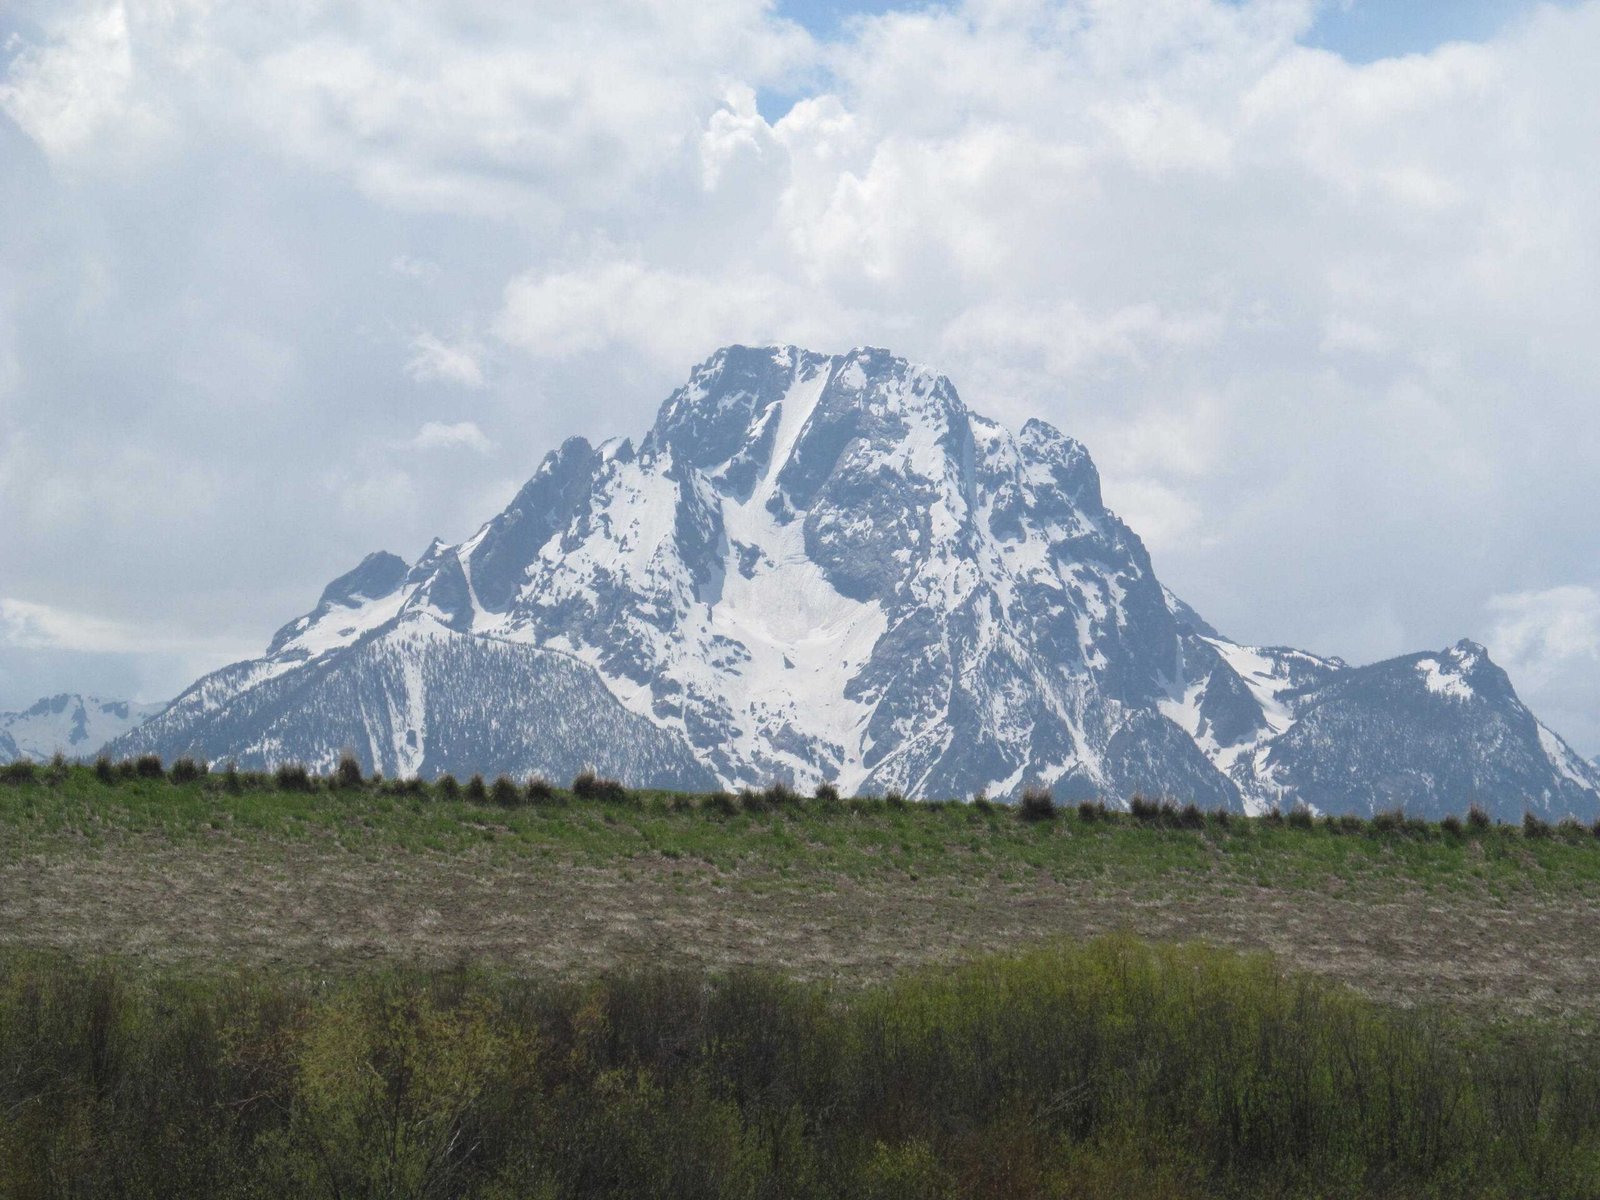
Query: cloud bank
(1327, 327)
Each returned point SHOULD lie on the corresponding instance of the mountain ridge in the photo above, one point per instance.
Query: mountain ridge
(825, 567)
(68, 723)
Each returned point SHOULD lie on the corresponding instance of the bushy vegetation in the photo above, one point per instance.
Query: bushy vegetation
(1108, 1070)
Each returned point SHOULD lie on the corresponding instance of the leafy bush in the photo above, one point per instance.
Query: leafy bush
(1533, 826)
(1451, 825)
(1144, 810)
(722, 804)
(539, 790)
(21, 771)
(148, 766)
(895, 798)
(348, 773)
(477, 789)
(827, 794)
(1091, 810)
(779, 794)
(1111, 1070)
(104, 770)
(1477, 819)
(186, 770)
(505, 792)
(448, 787)
(588, 785)
(1390, 821)
(1191, 817)
(1301, 817)
(293, 777)
(1036, 804)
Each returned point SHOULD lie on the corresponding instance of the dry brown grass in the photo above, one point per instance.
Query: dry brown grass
(300, 904)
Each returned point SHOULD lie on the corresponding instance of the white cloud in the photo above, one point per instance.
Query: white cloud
(436, 360)
(463, 435)
(1328, 328)
(1549, 642)
(29, 625)
(76, 94)
(669, 317)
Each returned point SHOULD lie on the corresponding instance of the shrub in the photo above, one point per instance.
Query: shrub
(1534, 827)
(981, 803)
(348, 773)
(1222, 817)
(1191, 817)
(587, 785)
(186, 770)
(1273, 816)
(780, 795)
(895, 798)
(1389, 821)
(477, 790)
(104, 770)
(1351, 823)
(293, 777)
(723, 804)
(448, 787)
(1595, 828)
(1451, 825)
(1091, 810)
(1300, 817)
(826, 793)
(230, 777)
(1477, 819)
(1037, 804)
(21, 771)
(1144, 810)
(505, 792)
(1570, 827)
(538, 790)
(148, 766)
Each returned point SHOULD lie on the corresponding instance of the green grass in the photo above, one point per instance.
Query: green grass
(70, 809)
(1112, 1069)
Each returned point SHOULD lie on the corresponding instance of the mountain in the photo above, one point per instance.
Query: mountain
(76, 726)
(821, 567)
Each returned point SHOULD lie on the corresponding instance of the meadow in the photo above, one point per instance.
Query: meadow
(221, 983)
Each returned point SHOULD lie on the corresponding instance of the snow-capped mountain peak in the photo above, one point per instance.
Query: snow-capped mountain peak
(825, 567)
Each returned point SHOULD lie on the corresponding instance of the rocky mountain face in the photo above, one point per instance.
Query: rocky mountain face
(823, 567)
(69, 724)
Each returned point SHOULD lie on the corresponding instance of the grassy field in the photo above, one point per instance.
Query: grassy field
(232, 985)
(243, 871)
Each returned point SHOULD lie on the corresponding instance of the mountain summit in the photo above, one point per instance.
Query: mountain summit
(820, 567)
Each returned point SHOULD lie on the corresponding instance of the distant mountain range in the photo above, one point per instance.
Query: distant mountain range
(69, 724)
(822, 567)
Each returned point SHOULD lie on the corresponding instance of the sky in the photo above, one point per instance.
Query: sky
(1316, 282)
